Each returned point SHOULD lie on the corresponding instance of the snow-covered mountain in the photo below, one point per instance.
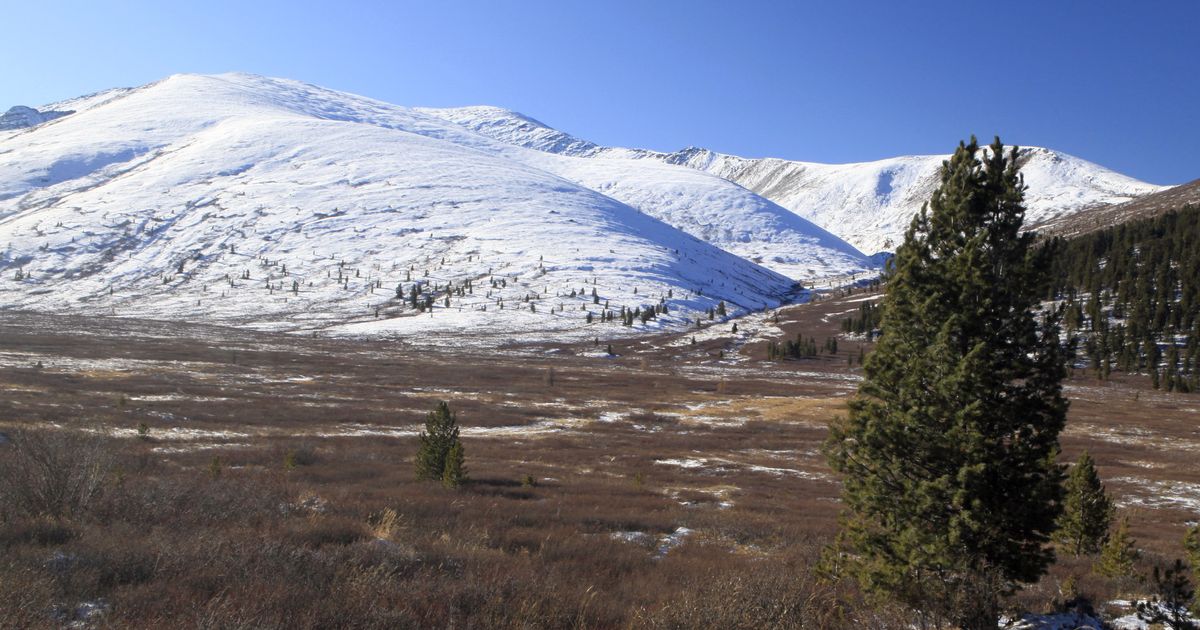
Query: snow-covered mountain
(867, 204)
(275, 204)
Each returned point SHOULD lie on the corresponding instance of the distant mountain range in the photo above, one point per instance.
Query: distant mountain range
(275, 204)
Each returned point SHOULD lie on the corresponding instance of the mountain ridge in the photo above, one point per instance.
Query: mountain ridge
(280, 205)
(176, 198)
(868, 204)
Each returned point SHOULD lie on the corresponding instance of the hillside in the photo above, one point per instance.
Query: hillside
(1149, 206)
(867, 204)
(279, 205)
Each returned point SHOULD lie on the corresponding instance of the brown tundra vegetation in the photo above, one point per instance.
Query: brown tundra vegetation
(171, 475)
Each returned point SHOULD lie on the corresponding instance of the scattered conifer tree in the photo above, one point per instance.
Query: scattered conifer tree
(1191, 549)
(1119, 554)
(214, 467)
(948, 452)
(438, 438)
(1087, 510)
(454, 473)
(1173, 592)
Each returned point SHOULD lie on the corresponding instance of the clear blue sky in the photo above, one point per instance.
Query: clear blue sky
(1117, 83)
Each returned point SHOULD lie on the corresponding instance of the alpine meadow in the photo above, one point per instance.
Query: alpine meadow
(599, 316)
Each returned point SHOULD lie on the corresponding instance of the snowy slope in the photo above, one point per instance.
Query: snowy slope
(867, 204)
(719, 212)
(710, 208)
(706, 206)
(873, 202)
(276, 204)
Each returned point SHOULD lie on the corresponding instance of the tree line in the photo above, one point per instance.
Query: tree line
(1132, 297)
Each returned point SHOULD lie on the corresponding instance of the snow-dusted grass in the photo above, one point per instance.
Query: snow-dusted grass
(714, 465)
(1160, 493)
(712, 468)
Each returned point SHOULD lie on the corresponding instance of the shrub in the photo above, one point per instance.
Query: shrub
(53, 473)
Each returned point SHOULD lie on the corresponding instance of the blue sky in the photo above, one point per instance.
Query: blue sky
(1112, 82)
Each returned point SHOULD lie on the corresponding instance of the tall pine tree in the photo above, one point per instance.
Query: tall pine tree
(948, 452)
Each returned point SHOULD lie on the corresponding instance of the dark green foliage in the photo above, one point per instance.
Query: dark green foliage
(1119, 554)
(799, 348)
(454, 473)
(866, 322)
(1173, 593)
(1191, 547)
(214, 467)
(948, 452)
(1087, 510)
(1132, 296)
(437, 441)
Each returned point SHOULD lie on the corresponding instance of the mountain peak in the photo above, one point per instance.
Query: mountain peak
(514, 128)
(279, 204)
(276, 204)
(868, 204)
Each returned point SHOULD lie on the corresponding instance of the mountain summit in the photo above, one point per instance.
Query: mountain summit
(868, 204)
(280, 205)
(275, 204)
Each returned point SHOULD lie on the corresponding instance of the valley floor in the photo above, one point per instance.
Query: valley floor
(676, 483)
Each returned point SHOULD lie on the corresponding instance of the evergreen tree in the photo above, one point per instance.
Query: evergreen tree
(1119, 554)
(454, 473)
(1172, 593)
(1087, 510)
(1191, 548)
(948, 452)
(437, 440)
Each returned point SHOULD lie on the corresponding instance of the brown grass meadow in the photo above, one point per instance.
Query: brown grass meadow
(173, 475)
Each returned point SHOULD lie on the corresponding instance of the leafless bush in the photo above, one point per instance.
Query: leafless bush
(53, 473)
